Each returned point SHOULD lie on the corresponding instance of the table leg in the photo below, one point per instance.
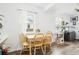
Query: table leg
(30, 49)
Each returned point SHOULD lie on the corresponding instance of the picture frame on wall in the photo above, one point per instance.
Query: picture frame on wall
(74, 20)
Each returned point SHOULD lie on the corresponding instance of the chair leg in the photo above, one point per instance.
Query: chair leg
(45, 49)
(50, 47)
(21, 52)
(34, 50)
(42, 50)
(30, 52)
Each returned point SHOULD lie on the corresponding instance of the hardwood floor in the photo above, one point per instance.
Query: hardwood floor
(69, 48)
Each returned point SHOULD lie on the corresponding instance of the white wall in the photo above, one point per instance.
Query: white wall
(46, 22)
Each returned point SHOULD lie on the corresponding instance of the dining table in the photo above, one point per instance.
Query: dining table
(31, 38)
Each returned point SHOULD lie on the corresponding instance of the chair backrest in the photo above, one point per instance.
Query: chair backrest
(23, 38)
(48, 37)
(38, 38)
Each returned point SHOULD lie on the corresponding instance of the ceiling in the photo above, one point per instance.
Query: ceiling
(56, 7)
(39, 5)
(42, 6)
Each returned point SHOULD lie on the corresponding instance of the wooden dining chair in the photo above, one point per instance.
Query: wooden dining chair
(38, 42)
(47, 41)
(24, 43)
